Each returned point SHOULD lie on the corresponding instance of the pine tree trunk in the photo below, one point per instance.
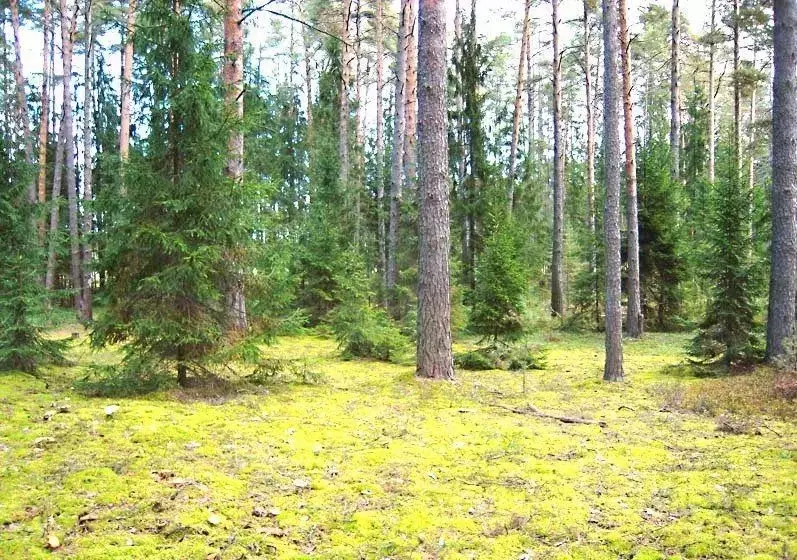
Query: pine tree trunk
(22, 101)
(41, 183)
(380, 147)
(613, 368)
(233, 75)
(711, 111)
(411, 100)
(434, 355)
(557, 257)
(462, 192)
(397, 164)
(343, 126)
(590, 178)
(783, 275)
(55, 201)
(675, 78)
(126, 86)
(67, 41)
(634, 321)
(530, 100)
(308, 78)
(524, 42)
(358, 131)
(737, 96)
(88, 215)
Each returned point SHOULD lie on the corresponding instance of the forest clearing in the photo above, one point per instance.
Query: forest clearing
(369, 463)
(398, 279)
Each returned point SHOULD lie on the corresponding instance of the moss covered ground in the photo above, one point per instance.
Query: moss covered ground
(373, 463)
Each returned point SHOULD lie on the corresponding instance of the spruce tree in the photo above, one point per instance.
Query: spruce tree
(167, 253)
(22, 346)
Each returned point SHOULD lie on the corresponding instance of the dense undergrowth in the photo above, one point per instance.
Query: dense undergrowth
(369, 462)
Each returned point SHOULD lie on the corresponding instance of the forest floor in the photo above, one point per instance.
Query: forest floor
(372, 463)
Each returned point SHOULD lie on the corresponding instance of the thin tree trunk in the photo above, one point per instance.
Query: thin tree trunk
(67, 41)
(590, 179)
(434, 355)
(783, 274)
(634, 321)
(358, 133)
(52, 243)
(43, 123)
(711, 93)
(398, 152)
(380, 147)
(462, 192)
(557, 257)
(737, 95)
(524, 45)
(411, 100)
(22, 101)
(613, 368)
(675, 77)
(343, 126)
(126, 86)
(308, 78)
(88, 215)
(530, 100)
(233, 73)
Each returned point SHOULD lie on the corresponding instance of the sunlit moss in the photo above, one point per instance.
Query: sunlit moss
(373, 463)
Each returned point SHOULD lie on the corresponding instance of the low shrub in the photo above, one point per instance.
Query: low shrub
(363, 331)
(507, 357)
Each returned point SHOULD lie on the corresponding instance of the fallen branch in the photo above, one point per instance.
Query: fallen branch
(534, 411)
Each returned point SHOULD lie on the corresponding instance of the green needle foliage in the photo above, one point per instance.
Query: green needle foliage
(21, 345)
(183, 229)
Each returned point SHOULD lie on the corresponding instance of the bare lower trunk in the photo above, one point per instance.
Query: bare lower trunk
(634, 320)
(22, 102)
(434, 355)
(711, 112)
(397, 164)
(557, 257)
(358, 131)
(590, 179)
(43, 123)
(380, 146)
(126, 86)
(613, 368)
(67, 35)
(783, 275)
(343, 126)
(233, 75)
(737, 95)
(308, 78)
(88, 215)
(462, 193)
(411, 100)
(675, 77)
(52, 243)
(524, 45)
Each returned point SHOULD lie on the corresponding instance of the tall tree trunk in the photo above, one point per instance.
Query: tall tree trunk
(233, 74)
(613, 368)
(22, 101)
(590, 179)
(67, 41)
(126, 87)
(398, 152)
(634, 321)
(308, 77)
(783, 275)
(711, 94)
(343, 126)
(41, 182)
(434, 355)
(411, 100)
(557, 257)
(52, 243)
(737, 96)
(675, 79)
(88, 215)
(530, 100)
(358, 132)
(380, 147)
(462, 192)
(524, 45)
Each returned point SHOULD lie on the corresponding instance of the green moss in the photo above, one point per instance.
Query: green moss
(397, 467)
